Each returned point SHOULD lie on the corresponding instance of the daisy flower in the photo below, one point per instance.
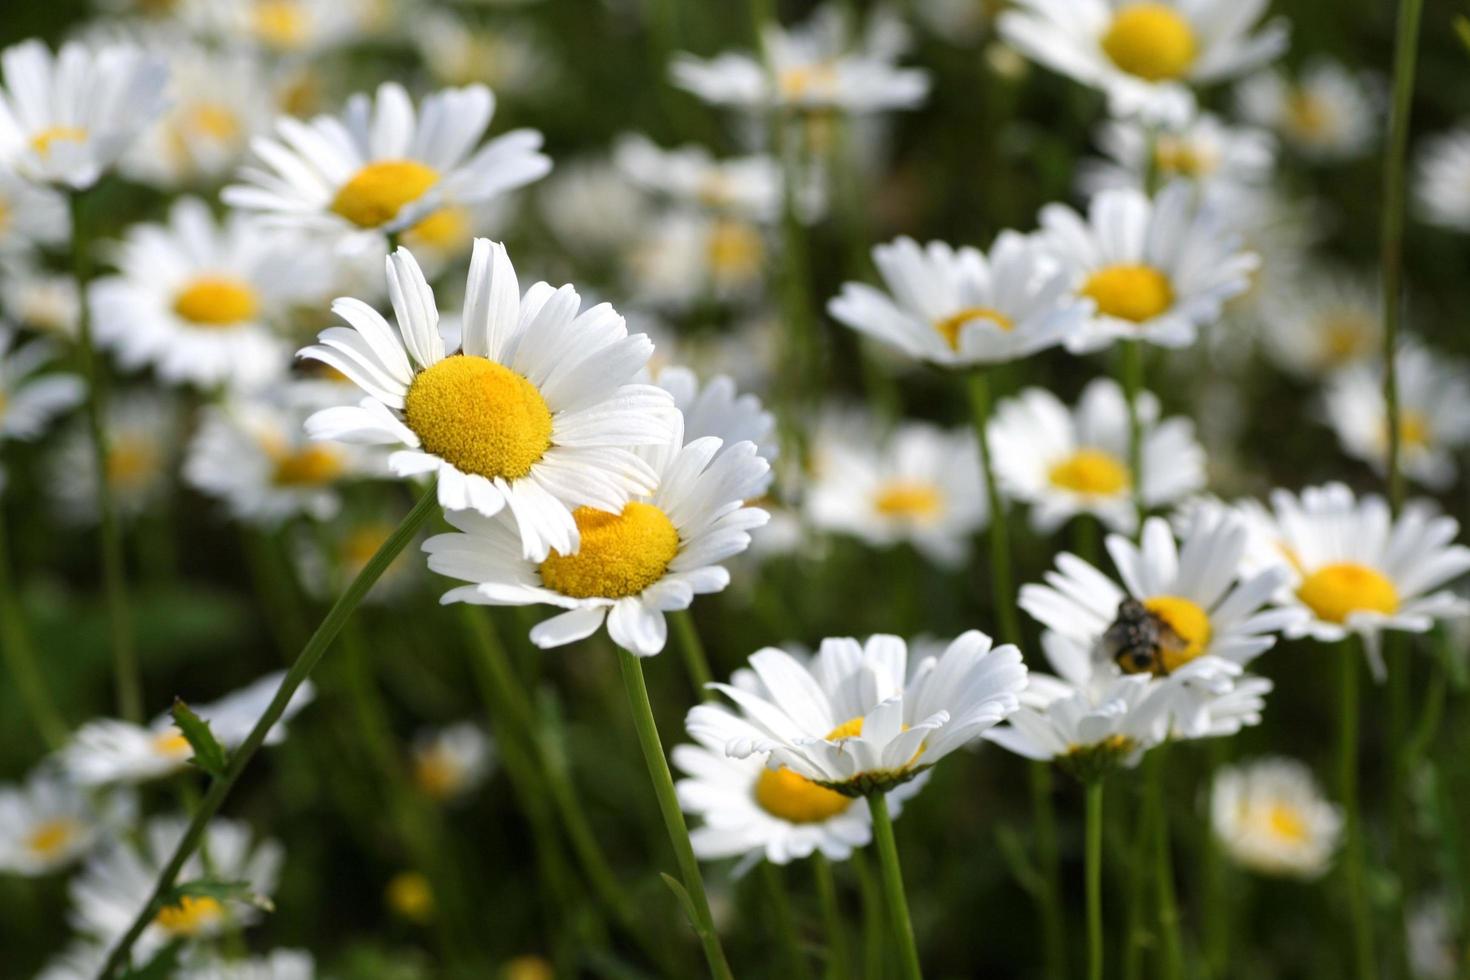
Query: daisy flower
(195, 299)
(750, 811)
(252, 454)
(281, 27)
(920, 486)
(686, 258)
(747, 186)
(30, 216)
(1434, 414)
(460, 52)
(119, 880)
(1441, 178)
(717, 409)
(961, 307)
(812, 68)
(1156, 270)
(382, 166)
(451, 762)
(534, 412)
(142, 439)
(29, 400)
(1320, 323)
(1354, 569)
(39, 299)
(1184, 612)
(1068, 462)
(1271, 817)
(1145, 54)
(110, 751)
(856, 719)
(1204, 150)
(49, 822)
(66, 118)
(1328, 113)
(637, 562)
(592, 210)
(329, 555)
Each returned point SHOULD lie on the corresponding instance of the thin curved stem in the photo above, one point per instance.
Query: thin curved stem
(631, 666)
(126, 675)
(898, 904)
(1093, 879)
(20, 655)
(696, 661)
(1171, 966)
(300, 670)
(1132, 372)
(1001, 578)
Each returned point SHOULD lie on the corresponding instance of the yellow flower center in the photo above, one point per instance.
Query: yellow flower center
(7, 216)
(480, 416)
(1092, 472)
(1346, 335)
(1151, 40)
(949, 326)
(799, 81)
(410, 896)
(851, 728)
(796, 799)
(1286, 821)
(436, 774)
(42, 141)
(216, 301)
(1178, 157)
(280, 23)
(446, 230)
(172, 743)
(131, 462)
(1335, 592)
(1188, 621)
(528, 968)
(312, 465)
(191, 915)
(1414, 431)
(621, 554)
(375, 194)
(48, 838)
(734, 250)
(211, 119)
(1307, 116)
(909, 500)
(1130, 292)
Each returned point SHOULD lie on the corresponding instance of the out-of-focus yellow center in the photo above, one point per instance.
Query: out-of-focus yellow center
(7, 216)
(131, 462)
(1130, 292)
(909, 500)
(410, 895)
(796, 799)
(801, 81)
(528, 968)
(1188, 621)
(172, 743)
(734, 250)
(1346, 336)
(1151, 40)
(621, 554)
(190, 916)
(446, 230)
(1092, 472)
(374, 195)
(1286, 821)
(312, 465)
(1175, 156)
(1335, 592)
(211, 119)
(216, 301)
(361, 543)
(480, 416)
(280, 23)
(1414, 430)
(851, 728)
(43, 140)
(1307, 117)
(50, 837)
(436, 774)
(949, 327)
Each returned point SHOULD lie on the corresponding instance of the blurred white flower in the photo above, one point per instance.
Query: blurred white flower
(746, 186)
(1322, 323)
(30, 216)
(48, 822)
(1442, 180)
(143, 432)
(1271, 817)
(685, 258)
(451, 762)
(1327, 113)
(30, 399)
(505, 56)
(1205, 150)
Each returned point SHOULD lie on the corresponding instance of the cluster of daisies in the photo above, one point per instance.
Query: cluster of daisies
(613, 472)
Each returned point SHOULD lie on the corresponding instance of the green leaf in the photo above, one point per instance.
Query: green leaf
(209, 755)
(684, 900)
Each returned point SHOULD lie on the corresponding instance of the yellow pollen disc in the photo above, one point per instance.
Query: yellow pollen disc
(50, 836)
(796, 799)
(799, 81)
(191, 915)
(42, 141)
(1130, 292)
(446, 230)
(1307, 116)
(914, 501)
(1346, 336)
(1414, 431)
(216, 301)
(1151, 40)
(312, 465)
(1189, 621)
(212, 120)
(436, 774)
(851, 728)
(130, 462)
(1092, 472)
(172, 743)
(1177, 157)
(375, 194)
(480, 416)
(280, 23)
(1334, 592)
(528, 968)
(734, 250)
(1286, 822)
(949, 327)
(410, 895)
(621, 554)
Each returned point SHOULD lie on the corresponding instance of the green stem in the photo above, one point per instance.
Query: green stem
(1132, 372)
(1002, 583)
(1093, 877)
(898, 904)
(300, 670)
(838, 967)
(1171, 966)
(1406, 50)
(1044, 817)
(1136, 929)
(668, 803)
(20, 655)
(126, 674)
(1360, 923)
(1217, 900)
(873, 917)
(784, 922)
(695, 658)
